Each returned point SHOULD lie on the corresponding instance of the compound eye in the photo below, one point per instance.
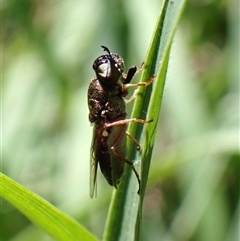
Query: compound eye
(108, 68)
(108, 72)
(104, 69)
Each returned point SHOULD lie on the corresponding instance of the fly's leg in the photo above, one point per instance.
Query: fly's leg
(143, 84)
(123, 159)
(130, 164)
(134, 140)
(133, 71)
(113, 148)
(139, 69)
(126, 121)
(134, 95)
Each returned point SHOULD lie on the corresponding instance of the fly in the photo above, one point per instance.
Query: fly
(107, 112)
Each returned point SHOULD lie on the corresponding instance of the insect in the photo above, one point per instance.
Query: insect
(107, 112)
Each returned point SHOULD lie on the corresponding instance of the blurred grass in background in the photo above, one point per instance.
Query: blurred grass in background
(48, 48)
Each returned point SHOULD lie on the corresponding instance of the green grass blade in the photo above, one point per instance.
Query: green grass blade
(125, 210)
(44, 215)
(172, 16)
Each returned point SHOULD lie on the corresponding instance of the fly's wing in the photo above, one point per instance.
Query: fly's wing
(93, 165)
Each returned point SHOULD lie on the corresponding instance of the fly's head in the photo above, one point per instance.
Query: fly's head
(108, 68)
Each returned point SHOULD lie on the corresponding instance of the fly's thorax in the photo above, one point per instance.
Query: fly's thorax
(105, 102)
(115, 108)
(97, 98)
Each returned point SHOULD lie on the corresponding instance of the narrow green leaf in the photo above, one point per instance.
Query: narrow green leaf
(172, 16)
(43, 214)
(125, 210)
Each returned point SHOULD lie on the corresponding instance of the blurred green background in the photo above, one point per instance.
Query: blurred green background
(48, 48)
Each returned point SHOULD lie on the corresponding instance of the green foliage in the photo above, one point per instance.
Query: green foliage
(127, 218)
(44, 215)
(191, 191)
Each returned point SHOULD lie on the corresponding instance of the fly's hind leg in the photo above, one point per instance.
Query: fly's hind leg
(134, 140)
(130, 164)
(119, 139)
(122, 158)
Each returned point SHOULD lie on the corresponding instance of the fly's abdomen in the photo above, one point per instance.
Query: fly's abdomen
(111, 149)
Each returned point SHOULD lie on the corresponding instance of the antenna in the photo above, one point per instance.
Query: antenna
(106, 49)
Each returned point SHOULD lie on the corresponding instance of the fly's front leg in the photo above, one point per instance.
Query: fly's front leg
(134, 95)
(139, 69)
(143, 84)
(132, 72)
